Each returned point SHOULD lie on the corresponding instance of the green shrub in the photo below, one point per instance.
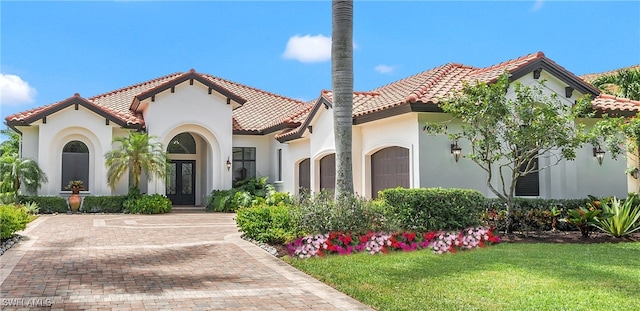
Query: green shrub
(103, 204)
(322, 214)
(147, 204)
(8, 197)
(47, 205)
(274, 224)
(619, 218)
(12, 218)
(432, 209)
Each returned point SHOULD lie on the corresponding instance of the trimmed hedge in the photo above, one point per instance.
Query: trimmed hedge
(103, 204)
(148, 204)
(48, 205)
(434, 209)
(12, 218)
(268, 223)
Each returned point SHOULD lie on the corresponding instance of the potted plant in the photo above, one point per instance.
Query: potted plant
(75, 200)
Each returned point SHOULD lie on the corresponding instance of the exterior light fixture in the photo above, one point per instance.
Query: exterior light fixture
(598, 153)
(634, 173)
(228, 164)
(456, 150)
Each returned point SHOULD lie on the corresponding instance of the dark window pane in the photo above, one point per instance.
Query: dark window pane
(182, 143)
(187, 172)
(75, 164)
(244, 163)
(171, 181)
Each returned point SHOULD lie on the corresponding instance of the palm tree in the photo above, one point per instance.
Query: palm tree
(342, 84)
(140, 154)
(16, 171)
(625, 83)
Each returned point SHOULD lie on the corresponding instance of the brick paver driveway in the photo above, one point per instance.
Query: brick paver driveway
(177, 261)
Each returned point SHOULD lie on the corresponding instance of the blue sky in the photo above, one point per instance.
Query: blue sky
(51, 50)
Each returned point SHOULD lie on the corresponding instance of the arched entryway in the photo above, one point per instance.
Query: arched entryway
(389, 169)
(181, 177)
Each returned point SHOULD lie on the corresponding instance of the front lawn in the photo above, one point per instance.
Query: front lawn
(501, 277)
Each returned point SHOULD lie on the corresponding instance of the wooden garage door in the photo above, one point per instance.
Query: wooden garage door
(304, 175)
(389, 169)
(328, 172)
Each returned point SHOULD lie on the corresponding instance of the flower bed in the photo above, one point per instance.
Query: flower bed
(380, 242)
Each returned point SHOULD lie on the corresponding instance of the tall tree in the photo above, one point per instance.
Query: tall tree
(16, 171)
(342, 84)
(509, 131)
(625, 83)
(139, 153)
(12, 143)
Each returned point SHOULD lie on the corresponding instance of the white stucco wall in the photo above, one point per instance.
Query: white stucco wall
(65, 126)
(294, 152)
(207, 116)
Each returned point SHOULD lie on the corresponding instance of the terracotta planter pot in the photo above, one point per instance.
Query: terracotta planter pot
(75, 200)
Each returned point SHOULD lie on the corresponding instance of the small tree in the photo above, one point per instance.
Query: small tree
(12, 144)
(139, 153)
(508, 134)
(16, 171)
(624, 83)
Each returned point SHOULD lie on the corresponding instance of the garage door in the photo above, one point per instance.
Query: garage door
(328, 172)
(389, 169)
(304, 176)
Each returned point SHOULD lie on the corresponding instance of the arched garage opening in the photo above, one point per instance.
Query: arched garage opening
(328, 173)
(389, 169)
(304, 176)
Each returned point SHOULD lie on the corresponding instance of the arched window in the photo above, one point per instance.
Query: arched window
(182, 143)
(75, 163)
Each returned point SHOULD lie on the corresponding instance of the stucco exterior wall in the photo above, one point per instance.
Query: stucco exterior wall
(191, 109)
(65, 126)
(293, 152)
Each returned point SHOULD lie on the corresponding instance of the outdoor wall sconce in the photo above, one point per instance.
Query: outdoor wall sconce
(228, 164)
(456, 150)
(634, 172)
(598, 153)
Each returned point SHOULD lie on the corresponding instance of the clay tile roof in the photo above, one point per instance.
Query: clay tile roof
(589, 78)
(610, 103)
(262, 111)
(491, 73)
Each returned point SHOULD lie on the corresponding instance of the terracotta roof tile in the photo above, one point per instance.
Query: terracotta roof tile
(592, 76)
(261, 111)
(611, 103)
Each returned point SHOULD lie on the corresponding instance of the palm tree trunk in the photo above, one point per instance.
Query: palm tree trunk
(342, 84)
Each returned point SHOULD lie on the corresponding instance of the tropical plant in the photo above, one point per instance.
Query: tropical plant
(509, 131)
(75, 186)
(342, 84)
(16, 171)
(138, 153)
(624, 83)
(585, 219)
(624, 217)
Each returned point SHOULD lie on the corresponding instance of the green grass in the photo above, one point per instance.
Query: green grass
(500, 277)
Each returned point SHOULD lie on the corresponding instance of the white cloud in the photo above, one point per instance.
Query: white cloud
(15, 91)
(308, 49)
(537, 5)
(384, 69)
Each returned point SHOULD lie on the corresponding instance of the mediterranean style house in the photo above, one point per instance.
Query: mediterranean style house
(217, 131)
